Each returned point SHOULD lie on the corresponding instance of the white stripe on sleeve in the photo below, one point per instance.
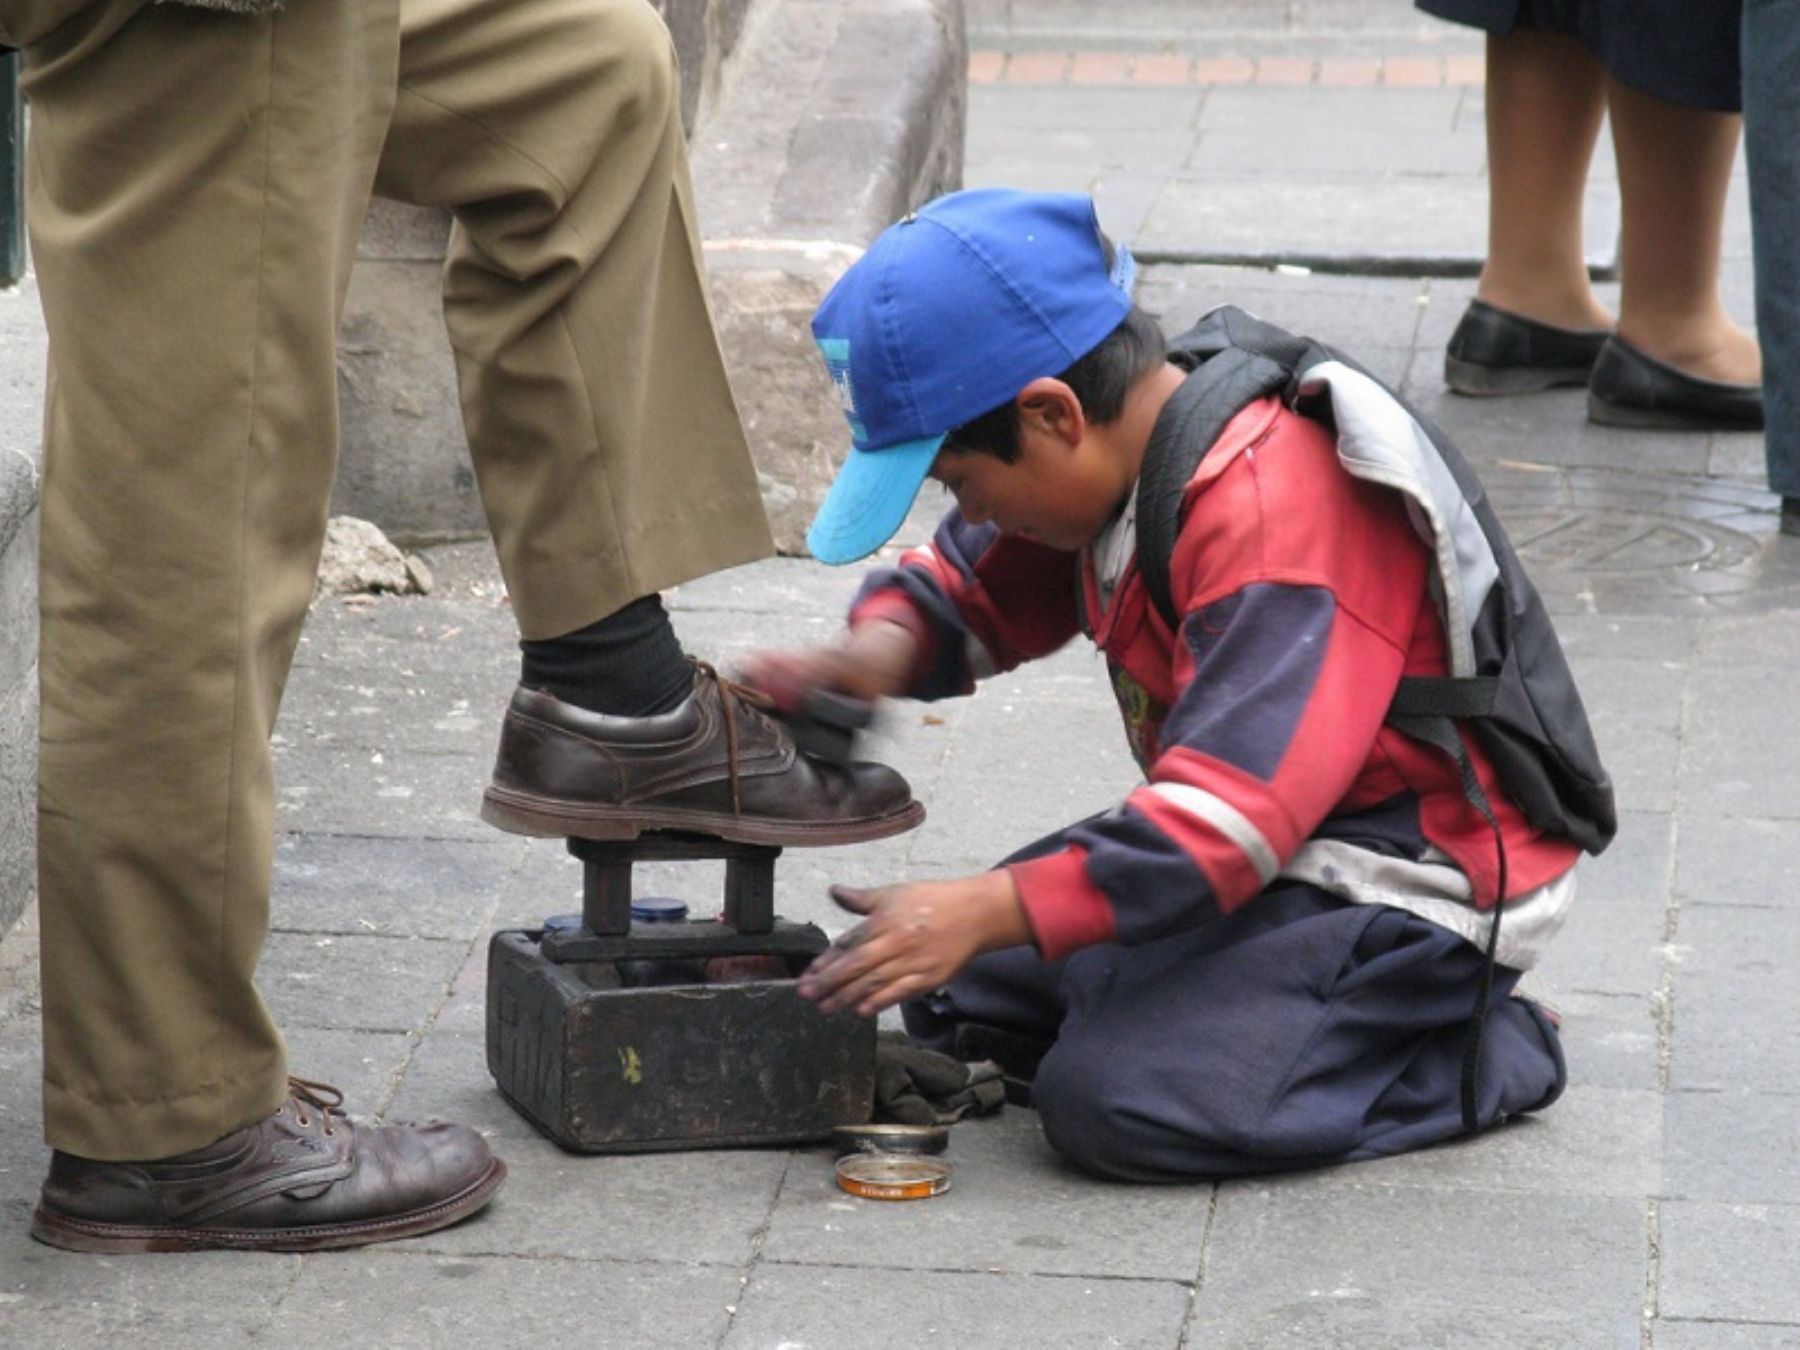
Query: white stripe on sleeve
(1227, 820)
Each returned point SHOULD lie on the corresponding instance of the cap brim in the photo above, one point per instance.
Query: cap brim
(873, 492)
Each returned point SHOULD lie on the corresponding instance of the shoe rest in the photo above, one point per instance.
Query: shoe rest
(748, 926)
(605, 1067)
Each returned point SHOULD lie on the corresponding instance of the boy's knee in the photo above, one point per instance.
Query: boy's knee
(1091, 1123)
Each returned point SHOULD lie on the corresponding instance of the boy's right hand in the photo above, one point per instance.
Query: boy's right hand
(872, 661)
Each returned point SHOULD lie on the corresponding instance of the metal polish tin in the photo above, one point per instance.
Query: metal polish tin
(893, 1176)
(912, 1140)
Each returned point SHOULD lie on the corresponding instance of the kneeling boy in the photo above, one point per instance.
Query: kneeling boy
(1269, 954)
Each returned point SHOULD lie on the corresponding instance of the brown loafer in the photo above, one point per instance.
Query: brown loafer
(306, 1178)
(718, 765)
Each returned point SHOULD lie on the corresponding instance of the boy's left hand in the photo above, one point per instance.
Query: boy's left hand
(916, 936)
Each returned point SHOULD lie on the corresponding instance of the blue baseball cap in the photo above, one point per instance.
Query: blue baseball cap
(951, 313)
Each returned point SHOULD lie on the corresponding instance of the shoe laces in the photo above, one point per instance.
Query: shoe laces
(321, 1097)
(731, 693)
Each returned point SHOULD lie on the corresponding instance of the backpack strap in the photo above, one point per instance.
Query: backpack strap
(1444, 696)
(1195, 415)
(1440, 731)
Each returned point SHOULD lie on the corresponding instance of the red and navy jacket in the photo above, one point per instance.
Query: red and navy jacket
(1260, 724)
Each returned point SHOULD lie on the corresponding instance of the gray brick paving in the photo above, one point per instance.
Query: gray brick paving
(1656, 1206)
(1299, 1265)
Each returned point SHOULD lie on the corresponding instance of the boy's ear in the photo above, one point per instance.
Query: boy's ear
(1050, 407)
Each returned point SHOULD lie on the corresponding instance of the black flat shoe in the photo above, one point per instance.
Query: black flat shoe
(1495, 352)
(1790, 516)
(1630, 388)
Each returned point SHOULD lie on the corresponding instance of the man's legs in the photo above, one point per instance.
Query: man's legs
(603, 431)
(604, 434)
(1772, 148)
(197, 181)
(1300, 1032)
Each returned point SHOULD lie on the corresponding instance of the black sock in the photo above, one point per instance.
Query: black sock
(629, 664)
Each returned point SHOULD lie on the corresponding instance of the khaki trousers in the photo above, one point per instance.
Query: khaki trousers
(197, 182)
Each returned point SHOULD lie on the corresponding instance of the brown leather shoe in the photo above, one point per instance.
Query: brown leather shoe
(308, 1177)
(717, 765)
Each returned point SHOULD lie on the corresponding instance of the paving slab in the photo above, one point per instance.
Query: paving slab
(1609, 1040)
(1634, 637)
(1634, 708)
(1367, 1266)
(1739, 1146)
(1593, 1141)
(1238, 25)
(357, 983)
(366, 792)
(1740, 861)
(1681, 1334)
(459, 1300)
(883, 1311)
(1613, 939)
(1162, 137)
(1013, 1207)
(991, 801)
(1729, 1262)
(562, 1206)
(389, 887)
(1732, 763)
(1409, 226)
(1771, 640)
(392, 708)
(53, 1298)
(366, 1066)
(1733, 988)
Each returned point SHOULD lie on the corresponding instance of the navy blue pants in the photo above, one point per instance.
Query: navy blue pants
(1302, 1030)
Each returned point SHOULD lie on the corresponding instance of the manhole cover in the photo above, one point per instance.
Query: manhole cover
(1623, 540)
(1615, 541)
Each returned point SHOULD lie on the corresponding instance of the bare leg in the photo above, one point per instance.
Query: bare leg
(1674, 166)
(1545, 97)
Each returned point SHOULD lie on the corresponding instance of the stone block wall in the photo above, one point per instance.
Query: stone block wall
(21, 392)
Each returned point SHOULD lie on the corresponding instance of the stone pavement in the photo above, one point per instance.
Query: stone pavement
(1656, 1206)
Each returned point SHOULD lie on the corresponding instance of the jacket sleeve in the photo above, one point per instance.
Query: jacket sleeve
(980, 602)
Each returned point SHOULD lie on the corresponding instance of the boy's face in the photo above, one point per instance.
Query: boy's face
(1062, 491)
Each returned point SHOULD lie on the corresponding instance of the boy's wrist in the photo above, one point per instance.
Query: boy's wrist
(883, 653)
(1002, 922)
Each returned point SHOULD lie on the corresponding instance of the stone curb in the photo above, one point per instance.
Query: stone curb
(836, 119)
(22, 338)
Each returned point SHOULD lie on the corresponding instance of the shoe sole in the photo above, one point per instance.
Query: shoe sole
(1606, 413)
(82, 1235)
(546, 818)
(1478, 381)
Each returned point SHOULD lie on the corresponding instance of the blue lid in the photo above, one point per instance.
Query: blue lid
(558, 923)
(658, 909)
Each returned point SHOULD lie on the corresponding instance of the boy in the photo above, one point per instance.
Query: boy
(1266, 956)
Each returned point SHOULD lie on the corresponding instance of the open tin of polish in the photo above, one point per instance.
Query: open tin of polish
(893, 1176)
(913, 1140)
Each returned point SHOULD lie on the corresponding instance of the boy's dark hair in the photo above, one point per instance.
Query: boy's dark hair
(1101, 379)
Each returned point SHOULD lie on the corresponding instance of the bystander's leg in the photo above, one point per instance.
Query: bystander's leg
(1545, 100)
(1771, 36)
(1674, 167)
